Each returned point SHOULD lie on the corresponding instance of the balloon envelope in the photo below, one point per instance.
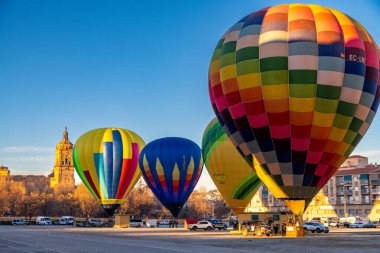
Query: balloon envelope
(106, 160)
(296, 86)
(171, 168)
(236, 181)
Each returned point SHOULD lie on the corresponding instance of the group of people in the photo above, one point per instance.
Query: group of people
(275, 226)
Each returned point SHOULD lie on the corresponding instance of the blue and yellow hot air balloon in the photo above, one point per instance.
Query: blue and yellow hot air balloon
(296, 87)
(106, 159)
(171, 168)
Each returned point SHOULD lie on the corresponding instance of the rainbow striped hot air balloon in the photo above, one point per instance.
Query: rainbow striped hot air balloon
(236, 181)
(106, 159)
(171, 168)
(296, 86)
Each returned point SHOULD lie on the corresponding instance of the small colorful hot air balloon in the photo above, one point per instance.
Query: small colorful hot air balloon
(296, 86)
(106, 160)
(171, 168)
(236, 181)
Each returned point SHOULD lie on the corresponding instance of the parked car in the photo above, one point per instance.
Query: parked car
(335, 224)
(19, 222)
(96, 223)
(136, 223)
(59, 222)
(83, 223)
(43, 220)
(218, 224)
(205, 225)
(370, 224)
(163, 222)
(315, 227)
(357, 224)
(151, 223)
(68, 220)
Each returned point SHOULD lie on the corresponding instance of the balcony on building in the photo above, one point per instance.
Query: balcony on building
(348, 190)
(364, 190)
(365, 201)
(375, 190)
(339, 180)
(347, 180)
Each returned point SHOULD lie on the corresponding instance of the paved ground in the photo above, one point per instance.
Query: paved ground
(61, 239)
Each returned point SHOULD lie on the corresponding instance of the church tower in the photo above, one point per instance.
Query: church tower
(63, 172)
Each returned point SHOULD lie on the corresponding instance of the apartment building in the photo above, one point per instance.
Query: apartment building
(353, 191)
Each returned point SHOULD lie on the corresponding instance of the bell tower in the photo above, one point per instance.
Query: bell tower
(63, 171)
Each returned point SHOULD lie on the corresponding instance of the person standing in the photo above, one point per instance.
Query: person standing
(283, 229)
(275, 228)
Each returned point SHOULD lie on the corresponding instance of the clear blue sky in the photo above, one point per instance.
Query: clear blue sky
(140, 65)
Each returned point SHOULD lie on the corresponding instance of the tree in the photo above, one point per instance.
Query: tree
(30, 205)
(87, 203)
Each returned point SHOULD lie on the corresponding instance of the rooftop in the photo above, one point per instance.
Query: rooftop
(370, 169)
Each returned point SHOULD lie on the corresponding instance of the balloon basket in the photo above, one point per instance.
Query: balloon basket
(122, 220)
(294, 231)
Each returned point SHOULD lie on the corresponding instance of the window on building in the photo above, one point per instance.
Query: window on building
(255, 217)
(347, 179)
(377, 211)
(367, 211)
(364, 178)
(351, 211)
(358, 211)
(341, 211)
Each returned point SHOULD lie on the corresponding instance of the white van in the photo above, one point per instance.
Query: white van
(69, 219)
(43, 220)
(151, 223)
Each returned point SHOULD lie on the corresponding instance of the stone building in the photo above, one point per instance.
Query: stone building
(353, 191)
(63, 171)
(62, 176)
(4, 177)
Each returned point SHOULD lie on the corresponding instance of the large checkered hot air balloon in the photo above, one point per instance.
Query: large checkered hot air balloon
(171, 168)
(106, 159)
(296, 86)
(236, 181)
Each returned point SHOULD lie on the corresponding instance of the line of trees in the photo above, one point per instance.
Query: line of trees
(32, 200)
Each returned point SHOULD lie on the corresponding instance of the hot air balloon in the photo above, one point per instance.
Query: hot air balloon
(236, 181)
(106, 160)
(171, 168)
(296, 87)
